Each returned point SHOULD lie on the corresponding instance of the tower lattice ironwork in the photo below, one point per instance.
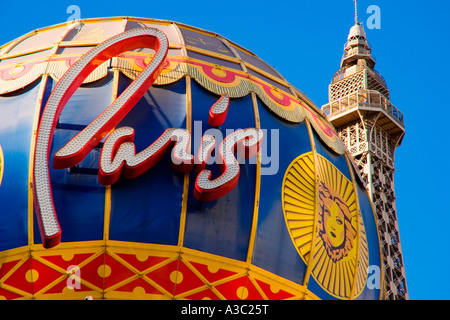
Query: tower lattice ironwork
(372, 128)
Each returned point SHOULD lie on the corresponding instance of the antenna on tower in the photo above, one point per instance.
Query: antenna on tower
(356, 11)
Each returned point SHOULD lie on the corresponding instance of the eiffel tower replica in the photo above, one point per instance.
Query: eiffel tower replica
(371, 128)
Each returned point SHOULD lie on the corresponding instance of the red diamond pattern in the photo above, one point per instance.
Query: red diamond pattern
(175, 277)
(104, 271)
(133, 277)
(239, 289)
(32, 276)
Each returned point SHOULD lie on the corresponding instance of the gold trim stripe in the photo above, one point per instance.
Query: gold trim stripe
(186, 175)
(257, 188)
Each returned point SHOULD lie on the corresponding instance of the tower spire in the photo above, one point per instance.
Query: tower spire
(357, 49)
(371, 127)
(356, 11)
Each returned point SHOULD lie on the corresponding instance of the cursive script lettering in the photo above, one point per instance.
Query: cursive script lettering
(118, 157)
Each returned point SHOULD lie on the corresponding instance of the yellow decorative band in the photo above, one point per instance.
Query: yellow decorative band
(238, 84)
(14, 78)
(132, 65)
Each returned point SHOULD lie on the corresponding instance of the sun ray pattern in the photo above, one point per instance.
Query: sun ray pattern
(340, 255)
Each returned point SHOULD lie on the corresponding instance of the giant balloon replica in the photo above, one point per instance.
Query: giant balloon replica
(148, 159)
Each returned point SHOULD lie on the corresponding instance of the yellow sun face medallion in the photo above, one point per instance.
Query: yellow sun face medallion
(320, 208)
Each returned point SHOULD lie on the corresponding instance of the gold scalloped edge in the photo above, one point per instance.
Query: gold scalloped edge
(167, 76)
(36, 71)
(57, 69)
(243, 88)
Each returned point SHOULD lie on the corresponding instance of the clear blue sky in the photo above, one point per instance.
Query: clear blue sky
(304, 41)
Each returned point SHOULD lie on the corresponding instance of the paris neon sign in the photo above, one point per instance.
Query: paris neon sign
(118, 156)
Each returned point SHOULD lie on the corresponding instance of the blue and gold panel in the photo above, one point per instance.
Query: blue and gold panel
(16, 129)
(339, 258)
(154, 214)
(78, 196)
(274, 250)
(373, 289)
(221, 226)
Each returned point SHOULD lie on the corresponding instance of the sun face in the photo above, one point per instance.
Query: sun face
(325, 224)
(335, 223)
